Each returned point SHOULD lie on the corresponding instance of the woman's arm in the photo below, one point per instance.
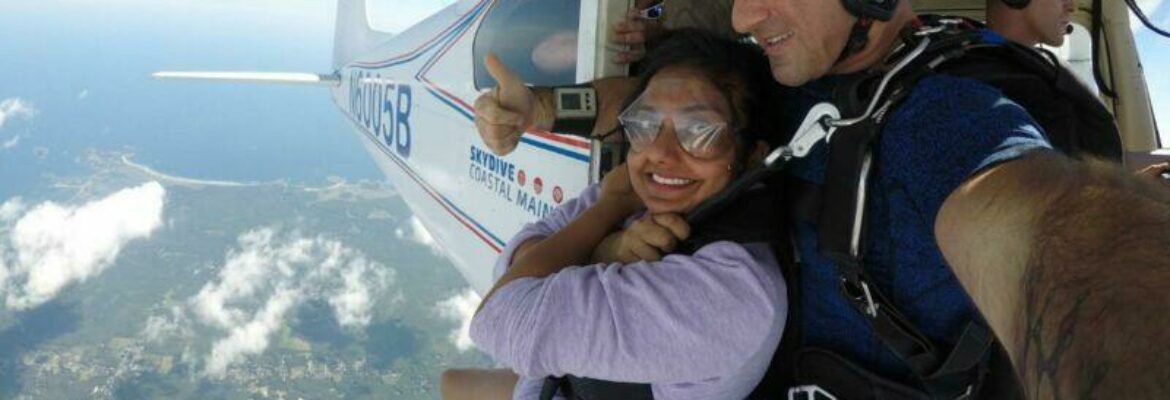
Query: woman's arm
(575, 243)
(683, 319)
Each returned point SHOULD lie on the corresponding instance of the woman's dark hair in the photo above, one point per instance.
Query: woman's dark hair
(739, 70)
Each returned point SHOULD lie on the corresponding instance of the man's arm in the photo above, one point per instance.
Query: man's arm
(507, 111)
(1068, 262)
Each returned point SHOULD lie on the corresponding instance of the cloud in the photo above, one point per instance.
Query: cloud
(10, 143)
(460, 308)
(271, 274)
(413, 230)
(160, 327)
(11, 209)
(83, 94)
(14, 108)
(252, 337)
(52, 246)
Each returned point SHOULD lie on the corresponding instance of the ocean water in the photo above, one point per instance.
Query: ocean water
(85, 70)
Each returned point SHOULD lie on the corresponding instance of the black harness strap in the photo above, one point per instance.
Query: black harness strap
(578, 388)
(950, 374)
(1073, 119)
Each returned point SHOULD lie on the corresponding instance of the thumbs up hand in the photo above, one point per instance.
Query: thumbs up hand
(504, 113)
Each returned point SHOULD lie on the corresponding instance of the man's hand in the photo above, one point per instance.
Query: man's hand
(647, 239)
(630, 36)
(1154, 171)
(504, 113)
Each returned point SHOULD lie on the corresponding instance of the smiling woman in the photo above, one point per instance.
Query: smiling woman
(718, 305)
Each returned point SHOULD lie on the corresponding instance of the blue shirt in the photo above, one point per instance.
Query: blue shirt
(947, 130)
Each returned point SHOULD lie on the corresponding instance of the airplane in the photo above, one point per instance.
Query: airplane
(409, 97)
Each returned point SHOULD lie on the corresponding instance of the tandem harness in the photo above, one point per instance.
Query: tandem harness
(975, 367)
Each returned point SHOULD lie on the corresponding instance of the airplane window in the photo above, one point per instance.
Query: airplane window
(535, 38)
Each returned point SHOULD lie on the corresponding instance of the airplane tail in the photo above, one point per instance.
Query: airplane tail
(353, 35)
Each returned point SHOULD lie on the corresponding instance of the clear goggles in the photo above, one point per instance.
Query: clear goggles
(697, 126)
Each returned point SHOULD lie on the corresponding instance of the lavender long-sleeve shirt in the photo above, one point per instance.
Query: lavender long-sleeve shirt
(702, 326)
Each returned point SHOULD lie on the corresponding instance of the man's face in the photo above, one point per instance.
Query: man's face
(802, 38)
(1048, 19)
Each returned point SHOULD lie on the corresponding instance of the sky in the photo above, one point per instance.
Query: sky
(1154, 51)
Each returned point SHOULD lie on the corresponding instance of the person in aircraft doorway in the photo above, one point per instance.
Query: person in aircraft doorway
(1031, 23)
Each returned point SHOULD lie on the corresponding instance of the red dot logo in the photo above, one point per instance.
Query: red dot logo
(521, 177)
(558, 194)
(537, 185)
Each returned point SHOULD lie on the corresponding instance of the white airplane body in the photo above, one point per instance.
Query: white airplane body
(410, 97)
(470, 200)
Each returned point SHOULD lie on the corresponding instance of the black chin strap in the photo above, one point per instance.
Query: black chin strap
(858, 38)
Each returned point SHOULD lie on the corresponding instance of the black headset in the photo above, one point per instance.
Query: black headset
(881, 10)
(1016, 4)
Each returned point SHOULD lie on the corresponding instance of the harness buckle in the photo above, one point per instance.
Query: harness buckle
(809, 392)
(967, 394)
(864, 294)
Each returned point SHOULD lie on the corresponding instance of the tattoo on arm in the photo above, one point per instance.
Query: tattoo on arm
(1096, 320)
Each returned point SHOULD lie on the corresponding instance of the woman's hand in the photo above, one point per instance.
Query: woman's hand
(647, 239)
(616, 191)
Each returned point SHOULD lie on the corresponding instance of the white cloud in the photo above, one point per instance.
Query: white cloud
(252, 337)
(271, 274)
(414, 231)
(460, 308)
(52, 246)
(160, 327)
(352, 303)
(10, 143)
(11, 209)
(83, 94)
(15, 107)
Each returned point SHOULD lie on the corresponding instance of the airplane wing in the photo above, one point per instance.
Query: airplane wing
(283, 78)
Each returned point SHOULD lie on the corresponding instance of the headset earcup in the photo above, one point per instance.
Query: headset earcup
(1017, 4)
(881, 10)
